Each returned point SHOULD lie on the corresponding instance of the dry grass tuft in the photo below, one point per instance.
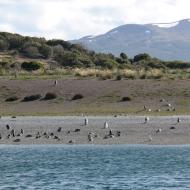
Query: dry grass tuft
(104, 74)
(129, 74)
(154, 74)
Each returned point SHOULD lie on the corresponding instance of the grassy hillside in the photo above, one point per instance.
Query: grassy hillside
(26, 57)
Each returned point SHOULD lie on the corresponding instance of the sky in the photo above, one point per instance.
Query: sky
(72, 19)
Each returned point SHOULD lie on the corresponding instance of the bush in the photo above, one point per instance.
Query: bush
(109, 64)
(77, 97)
(154, 74)
(4, 64)
(50, 96)
(129, 74)
(3, 45)
(119, 77)
(69, 59)
(31, 52)
(12, 99)
(155, 64)
(31, 98)
(177, 65)
(126, 99)
(106, 77)
(46, 51)
(31, 66)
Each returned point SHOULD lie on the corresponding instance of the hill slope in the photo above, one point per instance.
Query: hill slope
(167, 41)
(99, 96)
(29, 55)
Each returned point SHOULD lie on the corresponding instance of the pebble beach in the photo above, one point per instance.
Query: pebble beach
(158, 130)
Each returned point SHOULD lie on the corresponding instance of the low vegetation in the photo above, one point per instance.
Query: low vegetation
(126, 99)
(12, 99)
(23, 55)
(31, 98)
(50, 96)
(77, 97)
(31, 66)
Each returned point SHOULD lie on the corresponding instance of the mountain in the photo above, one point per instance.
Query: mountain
(167, 41)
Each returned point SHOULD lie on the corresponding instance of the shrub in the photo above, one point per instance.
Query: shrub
(46, 51)
(3, 45)
(4, 64)
(155, 64)
(32, 52)
(119, 77)
(129, 74)
(77, 97)
(154, 74)
(126, 99)
(85, 72)
(104, 74)
(177, 65)
(12, 99)
(69, 59)
(106, 77)
(143, 76)
(50, 96)
(31, 66)
(107, 63)
(31, 98)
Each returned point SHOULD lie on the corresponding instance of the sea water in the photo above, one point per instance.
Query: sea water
(95, 167)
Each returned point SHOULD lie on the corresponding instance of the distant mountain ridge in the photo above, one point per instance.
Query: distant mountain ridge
(167, 41)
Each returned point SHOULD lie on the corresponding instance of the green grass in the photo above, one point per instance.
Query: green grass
(111, 97)
(100, 111)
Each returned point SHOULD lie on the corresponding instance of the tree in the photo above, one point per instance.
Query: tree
(123, 56)
(142, 56)
(46, 51)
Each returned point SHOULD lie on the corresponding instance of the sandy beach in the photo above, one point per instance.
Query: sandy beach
(158, 130)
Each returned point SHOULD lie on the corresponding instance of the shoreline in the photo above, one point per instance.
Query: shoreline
(71, 130)
(92, 145)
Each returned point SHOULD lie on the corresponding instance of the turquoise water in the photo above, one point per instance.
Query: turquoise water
(95, 167)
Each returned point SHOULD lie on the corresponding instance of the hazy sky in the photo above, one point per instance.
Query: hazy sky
(70, 19)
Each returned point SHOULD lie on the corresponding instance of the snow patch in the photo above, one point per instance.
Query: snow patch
(90, 37)
(148, 32)
(166, 25)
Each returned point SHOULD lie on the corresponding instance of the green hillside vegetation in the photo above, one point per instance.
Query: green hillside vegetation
(32, 56)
